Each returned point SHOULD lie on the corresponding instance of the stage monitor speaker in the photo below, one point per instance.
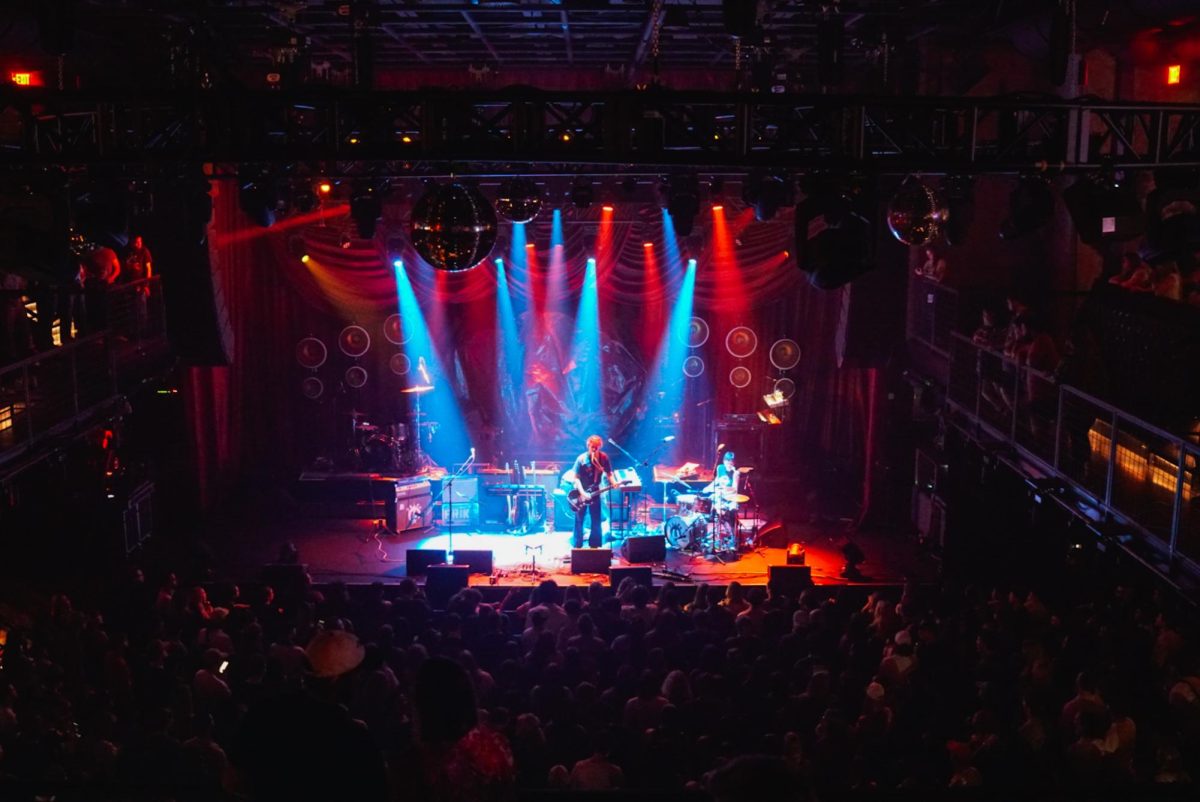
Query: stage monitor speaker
(649, 549)
(417, 561)
(639, 573)
(778, 535)
(443, 582)
(414, 506)
(590, 561)
(791, 580)
(478, 560)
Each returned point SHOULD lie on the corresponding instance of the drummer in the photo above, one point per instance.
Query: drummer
(725, 483)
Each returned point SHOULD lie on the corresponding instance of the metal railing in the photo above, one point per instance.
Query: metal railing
(934, 316)
(46, 394)
(1131, 469)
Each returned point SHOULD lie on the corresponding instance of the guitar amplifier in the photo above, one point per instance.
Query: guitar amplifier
(414, 509)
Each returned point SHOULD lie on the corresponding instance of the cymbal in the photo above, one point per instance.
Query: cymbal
(737, 498)
(745, 470)
(418, 388)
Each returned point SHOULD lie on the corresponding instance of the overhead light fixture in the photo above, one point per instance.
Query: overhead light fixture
(582, 193)
(682, 193)
(258, 198)
(1030, 206)
(767, 193)
(1174, 74)
(366, 207)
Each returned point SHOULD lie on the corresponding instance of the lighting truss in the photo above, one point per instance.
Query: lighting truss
(413, 130)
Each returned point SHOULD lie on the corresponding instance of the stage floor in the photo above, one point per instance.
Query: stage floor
(348, 550)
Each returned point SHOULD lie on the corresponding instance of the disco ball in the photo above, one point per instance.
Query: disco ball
(916, 213)
(518, 200)
(453, 227)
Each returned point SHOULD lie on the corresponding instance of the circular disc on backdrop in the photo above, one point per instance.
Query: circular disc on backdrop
(356, 377)
(311, 353)
(400, 364)
(785, 354)
(785, 387)
(693, 366)
(393, 331)
(740, 377)
(354, 341)
(740, 342)
(696, 334)
(312, 388)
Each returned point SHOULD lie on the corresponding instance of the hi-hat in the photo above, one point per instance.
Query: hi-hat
(745, 470)
(419, 388)
(737, 498)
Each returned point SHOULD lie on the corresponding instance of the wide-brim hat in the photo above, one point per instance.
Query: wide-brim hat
(334, 652)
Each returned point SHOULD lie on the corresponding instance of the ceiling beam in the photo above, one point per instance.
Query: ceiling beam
(479, 34)
(566, 30)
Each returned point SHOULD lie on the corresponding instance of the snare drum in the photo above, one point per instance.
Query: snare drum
(686, 502)
(703, 505)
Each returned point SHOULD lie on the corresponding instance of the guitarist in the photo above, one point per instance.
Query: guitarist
(590, 467)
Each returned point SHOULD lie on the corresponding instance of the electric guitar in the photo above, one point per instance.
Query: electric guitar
(575, 498)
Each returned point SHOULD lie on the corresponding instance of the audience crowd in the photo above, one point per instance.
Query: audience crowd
(1167, 279)
(375, 694)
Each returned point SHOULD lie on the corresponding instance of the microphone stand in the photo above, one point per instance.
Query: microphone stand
(714, 528)
(448, 484)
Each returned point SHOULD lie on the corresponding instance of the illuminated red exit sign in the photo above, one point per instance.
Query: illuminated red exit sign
(25, 78)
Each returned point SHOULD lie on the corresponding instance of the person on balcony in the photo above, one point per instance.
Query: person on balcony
(100, 269)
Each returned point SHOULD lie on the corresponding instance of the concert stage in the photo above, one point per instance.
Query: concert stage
(348, 550)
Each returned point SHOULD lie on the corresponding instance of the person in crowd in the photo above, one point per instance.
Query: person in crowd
(1141, 276)
(989, 334)
(1131, 262)
(100, 268)
(1167, 281)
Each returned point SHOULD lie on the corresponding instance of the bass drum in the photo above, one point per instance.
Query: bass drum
(683, 533)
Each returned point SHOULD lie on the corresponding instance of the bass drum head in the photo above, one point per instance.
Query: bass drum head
(678, 532)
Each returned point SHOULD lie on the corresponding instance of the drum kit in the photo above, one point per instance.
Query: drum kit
(394, 446)
(708, 521)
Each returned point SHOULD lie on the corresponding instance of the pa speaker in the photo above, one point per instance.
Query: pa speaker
(791, 580)
(443, 582)
(478, 560)
(639, 573)
(590, 561)
(417, 561)
(649, 549)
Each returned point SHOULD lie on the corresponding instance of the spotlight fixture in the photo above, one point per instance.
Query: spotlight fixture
(767, 194)
(366, 207)
(324, 186)
(683, 202)
(519, 200)
(258, 198)
(582, 193)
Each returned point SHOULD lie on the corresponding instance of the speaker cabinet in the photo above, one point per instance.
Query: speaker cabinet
(649, 549)
(639, 573)
(417, 561)
(791, 580)
(414, 506)
(443, 582)
(591, 561)
(478, 560)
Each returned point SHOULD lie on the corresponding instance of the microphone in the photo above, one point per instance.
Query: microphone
(472, 453)
(614, 442)
(668, 438)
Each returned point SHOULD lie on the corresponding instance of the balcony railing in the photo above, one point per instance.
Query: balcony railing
(934, 317)
(51, 392)
(1131, 469)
